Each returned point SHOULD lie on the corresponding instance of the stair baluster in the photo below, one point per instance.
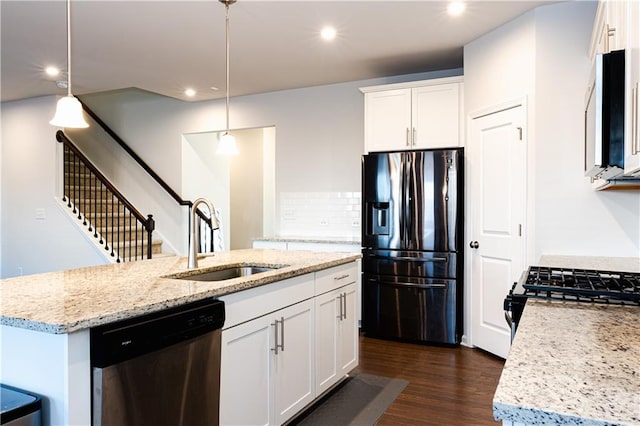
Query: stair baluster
(103, 209)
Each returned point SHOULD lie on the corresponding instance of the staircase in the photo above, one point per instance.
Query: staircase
(123, 232)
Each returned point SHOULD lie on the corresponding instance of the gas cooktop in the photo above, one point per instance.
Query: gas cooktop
(583, 285)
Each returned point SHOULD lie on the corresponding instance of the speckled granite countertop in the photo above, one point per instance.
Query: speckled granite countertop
(323, 240)
(66, 301)
(572, 364)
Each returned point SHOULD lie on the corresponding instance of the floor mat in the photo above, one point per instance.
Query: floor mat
(358, 402)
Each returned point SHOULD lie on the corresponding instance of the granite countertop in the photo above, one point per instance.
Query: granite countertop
(67, 301)
(323, 240)
(572, 363)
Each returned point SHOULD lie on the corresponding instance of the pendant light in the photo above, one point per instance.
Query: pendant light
(227, 145)
(69, 110)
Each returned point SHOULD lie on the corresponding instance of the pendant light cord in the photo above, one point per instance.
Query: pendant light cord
(68, 47)
(227, 59)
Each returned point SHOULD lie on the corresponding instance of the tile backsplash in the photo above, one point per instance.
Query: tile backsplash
(321, 214)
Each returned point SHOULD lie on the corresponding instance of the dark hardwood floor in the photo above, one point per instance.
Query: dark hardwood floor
(447, 386)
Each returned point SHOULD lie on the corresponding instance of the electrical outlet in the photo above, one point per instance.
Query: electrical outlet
(355, 223)
(20, 271)
(41, 214)
(324, 222)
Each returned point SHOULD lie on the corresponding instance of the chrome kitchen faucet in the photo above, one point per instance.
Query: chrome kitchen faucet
(215, 223)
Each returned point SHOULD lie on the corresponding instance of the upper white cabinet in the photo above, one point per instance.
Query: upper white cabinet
(609, 31)
(632, 89)
(417, 115)
(616, 28)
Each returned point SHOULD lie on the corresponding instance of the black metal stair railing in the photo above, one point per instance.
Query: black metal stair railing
(205, 225)
(117, 225)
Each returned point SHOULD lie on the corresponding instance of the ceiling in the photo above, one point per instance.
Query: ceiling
(168, 46)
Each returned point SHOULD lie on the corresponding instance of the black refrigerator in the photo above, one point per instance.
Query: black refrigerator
(412, 245)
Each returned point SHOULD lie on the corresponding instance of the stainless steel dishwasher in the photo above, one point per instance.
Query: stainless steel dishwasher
(159, 369)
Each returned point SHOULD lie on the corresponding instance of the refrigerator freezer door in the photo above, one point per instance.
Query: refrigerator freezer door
(417, 309)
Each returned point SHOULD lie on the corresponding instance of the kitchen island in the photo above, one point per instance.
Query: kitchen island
(573, 363)
(46, 317)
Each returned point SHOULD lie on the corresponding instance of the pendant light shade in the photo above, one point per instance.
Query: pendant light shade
(69, 113)
(227, 144)
(69, 110)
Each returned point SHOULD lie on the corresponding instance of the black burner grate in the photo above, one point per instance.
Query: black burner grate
(583, 285)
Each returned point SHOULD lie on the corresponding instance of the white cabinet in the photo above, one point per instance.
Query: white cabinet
(271, 344)
(294, 359)
(336, 336)
(268, 362)
(416, 115)
(632, 89)
(268, 365)
(336, 326)
(245, 378)
(610, 27)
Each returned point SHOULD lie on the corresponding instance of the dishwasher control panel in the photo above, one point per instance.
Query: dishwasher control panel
(126, 339)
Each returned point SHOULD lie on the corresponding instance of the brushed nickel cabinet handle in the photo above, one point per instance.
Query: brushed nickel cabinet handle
(344, 300)
(275, 332)
(341, 277)
(635, 113)
(339, 307)
(278, 346)
(282, 334)
(407, 138)
(413, 137)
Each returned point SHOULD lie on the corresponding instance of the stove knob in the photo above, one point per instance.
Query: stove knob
(474, 244)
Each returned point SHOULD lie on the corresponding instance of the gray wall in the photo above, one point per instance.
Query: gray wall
(29, 182)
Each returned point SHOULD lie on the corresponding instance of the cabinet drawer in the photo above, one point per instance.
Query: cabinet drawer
(256, 302)
(336, 277)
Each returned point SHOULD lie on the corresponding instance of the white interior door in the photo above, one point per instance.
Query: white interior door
(497, 159)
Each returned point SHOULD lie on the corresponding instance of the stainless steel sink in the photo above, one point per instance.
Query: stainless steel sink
(227, 273)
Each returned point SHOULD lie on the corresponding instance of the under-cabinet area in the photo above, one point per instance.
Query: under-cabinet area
(277, 320)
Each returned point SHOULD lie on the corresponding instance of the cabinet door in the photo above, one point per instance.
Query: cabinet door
(387, 120)
(348, 331)
(294, 363)
(632, 109)
(436, 116)
(245, 374)
(327, 313)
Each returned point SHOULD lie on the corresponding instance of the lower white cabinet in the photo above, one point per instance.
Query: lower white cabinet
(282, 339)
(267, 370)
(336, 336)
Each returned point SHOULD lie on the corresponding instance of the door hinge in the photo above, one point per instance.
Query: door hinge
(519, 133)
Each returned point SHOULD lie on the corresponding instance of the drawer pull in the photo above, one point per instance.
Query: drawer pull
(341, 277)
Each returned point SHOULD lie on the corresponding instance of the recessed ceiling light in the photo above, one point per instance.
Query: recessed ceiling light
(52, 71)
(328, 33)
(190, 93)
(456, 8)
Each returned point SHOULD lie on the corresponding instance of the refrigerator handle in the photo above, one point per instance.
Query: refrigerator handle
(414, 285)
(410, 258)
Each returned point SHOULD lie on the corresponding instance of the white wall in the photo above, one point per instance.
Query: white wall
(319, 130)
(572, 218)
(29, 176)
(543, 55)
(319, 142)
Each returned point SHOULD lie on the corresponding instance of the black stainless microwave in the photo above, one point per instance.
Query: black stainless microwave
(604, 117)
